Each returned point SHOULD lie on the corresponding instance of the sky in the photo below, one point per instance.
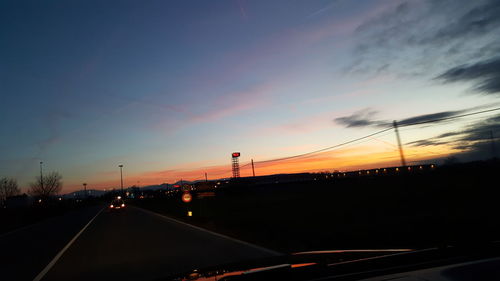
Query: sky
(170, 89)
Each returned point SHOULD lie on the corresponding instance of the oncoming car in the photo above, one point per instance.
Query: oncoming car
(117, 204)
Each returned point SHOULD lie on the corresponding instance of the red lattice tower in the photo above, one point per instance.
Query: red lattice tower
(235, 164)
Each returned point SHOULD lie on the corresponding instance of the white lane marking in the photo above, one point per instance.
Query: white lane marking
(213, 233)
(56, 258)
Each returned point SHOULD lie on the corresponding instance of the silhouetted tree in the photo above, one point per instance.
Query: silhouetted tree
(48, 185)
(8, 188)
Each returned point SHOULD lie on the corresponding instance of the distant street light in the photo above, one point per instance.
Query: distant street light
(121, 176)
(85, 189)
(41, 175)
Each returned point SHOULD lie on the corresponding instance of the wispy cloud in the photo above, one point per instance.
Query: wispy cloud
(475, 141)
(485, 75)
(361, 118)
(235, 102)
(418, 38)
(287, 45)
(427, 142)
(297, 126)
(436, 117)
(367, 117)
(53, 120)
(243, 12)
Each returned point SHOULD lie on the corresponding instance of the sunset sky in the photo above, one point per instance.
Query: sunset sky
(170, 88)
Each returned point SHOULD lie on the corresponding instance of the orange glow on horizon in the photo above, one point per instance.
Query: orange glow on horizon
(347, 159)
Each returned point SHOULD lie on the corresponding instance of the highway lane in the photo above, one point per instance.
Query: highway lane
(26, 251)
(135, 244)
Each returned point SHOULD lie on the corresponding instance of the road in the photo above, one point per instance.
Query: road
(132, 244)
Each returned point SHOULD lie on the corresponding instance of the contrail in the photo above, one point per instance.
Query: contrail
(322, 10)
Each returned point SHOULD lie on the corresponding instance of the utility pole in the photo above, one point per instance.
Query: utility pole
(121, 176)
(41, 175)
(253, 169)
(206, 178)
(403, 161)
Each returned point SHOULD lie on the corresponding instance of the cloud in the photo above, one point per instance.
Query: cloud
(430, 142)
(362, 118)
(423, 37)
(365, 118)
(433, 117)
(485, 74)
(449, 134)
(53, 121)
(476, 21)
(235, 102)
(481, 131)
(299, 125)
(474, 141)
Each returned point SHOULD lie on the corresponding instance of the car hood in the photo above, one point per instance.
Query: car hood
(311, 261)
(332, 263)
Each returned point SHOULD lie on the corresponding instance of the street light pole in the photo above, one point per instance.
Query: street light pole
(121, 176)
(85, 189)
(41, 175)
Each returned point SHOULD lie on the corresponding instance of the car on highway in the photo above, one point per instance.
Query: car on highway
(117, 204)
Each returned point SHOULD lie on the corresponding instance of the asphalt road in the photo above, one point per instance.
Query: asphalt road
(134, 244)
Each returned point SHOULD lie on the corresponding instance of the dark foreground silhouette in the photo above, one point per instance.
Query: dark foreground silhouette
(453, 204)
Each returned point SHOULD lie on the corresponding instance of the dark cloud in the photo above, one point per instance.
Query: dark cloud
(478, 151)
(481, 131)
(477, 21)
(474, 141)
(449, 134)
(424, 37)
(430, 142)
(365, 118)
(434, 117)
(362, 118)
(486, 75)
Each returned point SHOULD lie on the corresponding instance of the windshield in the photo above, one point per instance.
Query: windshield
(146, 139)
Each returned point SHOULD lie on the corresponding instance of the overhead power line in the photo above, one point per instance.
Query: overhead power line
(326, 148)
(376, 133)
(389, 127)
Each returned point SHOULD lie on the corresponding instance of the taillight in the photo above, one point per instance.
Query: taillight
(111, 206)
(123, 205)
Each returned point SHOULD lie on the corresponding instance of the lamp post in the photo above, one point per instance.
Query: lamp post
(85, 189)
(121, 177)
(41, 175)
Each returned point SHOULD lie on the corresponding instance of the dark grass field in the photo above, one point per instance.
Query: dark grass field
(449, 205)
